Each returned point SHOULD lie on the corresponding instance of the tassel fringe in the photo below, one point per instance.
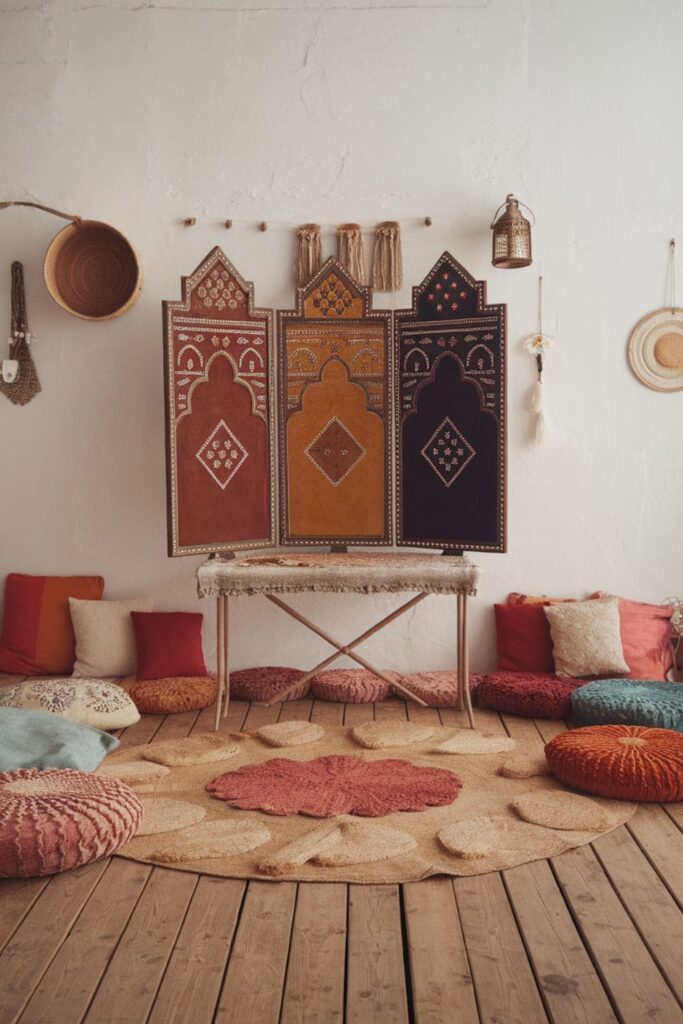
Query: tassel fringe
(538, 406)
(309, 253)
(387, 264)
(351, 250)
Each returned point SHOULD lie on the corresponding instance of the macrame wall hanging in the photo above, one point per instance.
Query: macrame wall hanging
(387, 262)
(351, 250)
(538, 345)
(308, 253)
(19, 380)
(219, 413)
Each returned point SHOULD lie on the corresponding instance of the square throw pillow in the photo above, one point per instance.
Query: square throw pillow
(36, 739)
(516, 598)
(523, 636)
(105, 640)
(586, 638)
(169, 644)
(646, 637)
(37, 635)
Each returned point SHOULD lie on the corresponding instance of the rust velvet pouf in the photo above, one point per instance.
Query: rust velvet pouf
(624, 762)
(530, 694)
(59, 819)
(168, 696)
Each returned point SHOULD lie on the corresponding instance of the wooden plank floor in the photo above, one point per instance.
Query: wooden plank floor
(591, 937)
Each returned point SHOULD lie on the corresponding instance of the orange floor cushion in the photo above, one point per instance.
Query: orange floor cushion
(624, 762)
(168, 696)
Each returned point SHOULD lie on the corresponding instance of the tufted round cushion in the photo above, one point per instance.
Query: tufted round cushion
(59, 819)
(167, 696)
(629, 702)
(266, 683)
(351, 686)
(96, 702)
(439, 689)
(626, 762)
(530, 694)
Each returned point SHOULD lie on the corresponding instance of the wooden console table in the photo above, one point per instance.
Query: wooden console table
(343, 573)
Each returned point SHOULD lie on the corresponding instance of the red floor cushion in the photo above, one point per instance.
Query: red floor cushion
(625, 762)
(59, 819)
(530, 694)
(351, 685)
(169, 644)
(439, 689)
(168, 696)
(266, 683)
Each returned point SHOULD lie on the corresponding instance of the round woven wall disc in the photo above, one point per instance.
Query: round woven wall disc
(655, 349)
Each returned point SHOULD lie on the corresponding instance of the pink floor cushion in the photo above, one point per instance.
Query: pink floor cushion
(59, 819)
(266, 683)
(439, 689)
(351, 685)
(530, 694)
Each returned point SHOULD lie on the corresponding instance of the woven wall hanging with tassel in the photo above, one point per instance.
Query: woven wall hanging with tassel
(309, 253)
(351, 250)
(19, 380)
(387, 262)
(537, 345)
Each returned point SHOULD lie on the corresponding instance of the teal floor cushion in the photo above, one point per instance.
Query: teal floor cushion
(39, 739)
(629, 702)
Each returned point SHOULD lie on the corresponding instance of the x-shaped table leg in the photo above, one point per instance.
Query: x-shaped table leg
(347, 649)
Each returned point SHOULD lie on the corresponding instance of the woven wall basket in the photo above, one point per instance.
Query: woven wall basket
(655, 349)
(92, 271)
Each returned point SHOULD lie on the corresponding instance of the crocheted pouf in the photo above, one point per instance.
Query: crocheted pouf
(629, 702)
(529, 694)
(351, 686)
(439, 689)
(179, 693)
(625, 762)
(59, 819)
(266, 684)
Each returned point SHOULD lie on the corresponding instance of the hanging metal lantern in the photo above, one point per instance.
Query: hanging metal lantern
(511, 236)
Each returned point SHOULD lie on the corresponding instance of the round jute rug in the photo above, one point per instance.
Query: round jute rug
(397, 847)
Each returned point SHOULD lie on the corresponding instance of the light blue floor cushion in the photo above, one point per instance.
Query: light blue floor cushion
(39, 739)
(629, 702)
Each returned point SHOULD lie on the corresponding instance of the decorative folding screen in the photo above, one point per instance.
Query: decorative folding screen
(219, 437)
(450, 417)
(334, 412)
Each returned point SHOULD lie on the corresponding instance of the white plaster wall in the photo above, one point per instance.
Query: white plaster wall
(143, 113)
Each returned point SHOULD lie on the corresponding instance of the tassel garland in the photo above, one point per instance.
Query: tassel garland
(387, 264)
(351, 250)
(309, 253)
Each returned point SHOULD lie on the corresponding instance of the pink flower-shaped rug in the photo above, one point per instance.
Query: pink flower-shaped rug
(336, 784)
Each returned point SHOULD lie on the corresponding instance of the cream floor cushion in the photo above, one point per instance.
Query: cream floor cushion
(96, 702)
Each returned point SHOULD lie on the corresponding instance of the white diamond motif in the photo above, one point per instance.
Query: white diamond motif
(222, 454)
(448, 452)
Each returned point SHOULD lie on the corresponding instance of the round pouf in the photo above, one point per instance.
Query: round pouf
(629, 702)
(439, 689)
(266, 684)
(351, 686)
(59, 819)
(529, 694)
(624, 762)
(168, 696)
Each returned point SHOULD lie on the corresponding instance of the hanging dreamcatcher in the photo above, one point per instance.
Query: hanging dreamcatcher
(19, 380)
(538, 344)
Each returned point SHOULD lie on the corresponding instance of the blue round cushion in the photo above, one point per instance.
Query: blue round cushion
(629, 702)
